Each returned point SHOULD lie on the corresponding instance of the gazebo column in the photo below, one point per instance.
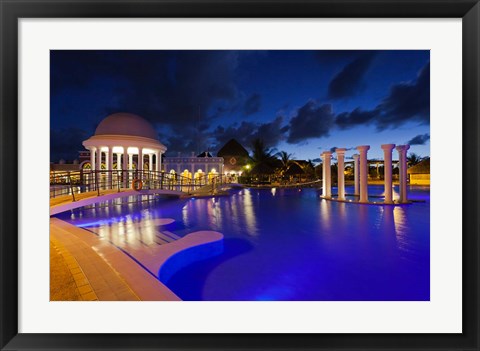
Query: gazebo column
(92, 158)
(125, 167)
(157, 161)
(119, 161)
(110, 166)
(340, 170)
(402, 160)
(327, 179)
(150, 162)
(387, 171)
(130, 161)
(140, 159)
(98, 157)
(356, 174)
(363, 172)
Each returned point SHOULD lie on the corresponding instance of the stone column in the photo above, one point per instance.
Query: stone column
(150, 162)
(157, 161)
(119, 162)
(402, 163)
(130, 161)
(140, 159)
(125, 167)
(356, 174)
(326, 171)
(341, 175)
(387, 171)
(363, 172)
(98, 156)
(92, 158)
(110, 166)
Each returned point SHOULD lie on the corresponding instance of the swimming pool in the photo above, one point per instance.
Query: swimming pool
(284, 244)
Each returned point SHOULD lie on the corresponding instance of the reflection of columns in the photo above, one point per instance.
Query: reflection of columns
(140, 159)
(356, 174)
(92, 158)
(402, 162)
(340, 172)
(150, 162)
(327, 179)
(387, 171)
(363, 172)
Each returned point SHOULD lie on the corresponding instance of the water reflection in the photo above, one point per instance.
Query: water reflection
(328, 250)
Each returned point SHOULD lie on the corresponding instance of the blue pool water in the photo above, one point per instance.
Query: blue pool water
(285, 244)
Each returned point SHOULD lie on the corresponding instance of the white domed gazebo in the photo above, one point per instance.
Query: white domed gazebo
(121, 136)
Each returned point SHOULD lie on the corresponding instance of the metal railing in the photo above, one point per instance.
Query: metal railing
(77, 182)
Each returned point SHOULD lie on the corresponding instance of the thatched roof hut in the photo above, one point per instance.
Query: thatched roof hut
(422, 167)
(262, 169)
(294, 169)
(232, 148)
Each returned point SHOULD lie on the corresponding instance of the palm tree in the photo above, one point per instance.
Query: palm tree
(285, 157)
(261, 154)
(413, 159)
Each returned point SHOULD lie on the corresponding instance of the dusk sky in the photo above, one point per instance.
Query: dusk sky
(302, 102)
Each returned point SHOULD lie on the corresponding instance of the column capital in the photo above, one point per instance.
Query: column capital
(327, 153)
(355, 157)
(387, 147)
(402, 148)
(340, 151)
(363, 148)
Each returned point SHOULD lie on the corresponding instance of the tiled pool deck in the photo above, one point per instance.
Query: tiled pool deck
(103, 271)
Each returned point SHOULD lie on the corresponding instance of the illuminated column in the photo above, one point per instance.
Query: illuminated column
(356, 174)
(140, 159)
(363, 172)
(402, 163)
(98, 157)
(387, 171)
(119, 161)
(326, 172)
(125, 167)
(340, 170)
(110, 165)
(150, 162)
(157, 161)
(92, 158)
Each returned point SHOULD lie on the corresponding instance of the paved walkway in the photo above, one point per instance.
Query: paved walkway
(111, 274)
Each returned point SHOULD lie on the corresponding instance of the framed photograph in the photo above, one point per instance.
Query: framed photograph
(237, 175)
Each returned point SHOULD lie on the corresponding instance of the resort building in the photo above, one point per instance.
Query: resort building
(236, 158)
(195, 167)
(420, 173)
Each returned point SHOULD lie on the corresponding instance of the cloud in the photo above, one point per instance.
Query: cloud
(252, 104)
(420, 139)
(271, 133)
(406, 102)
(350, 81)
(356, 117)
(312, 121)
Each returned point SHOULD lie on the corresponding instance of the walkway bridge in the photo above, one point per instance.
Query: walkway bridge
(74, 189)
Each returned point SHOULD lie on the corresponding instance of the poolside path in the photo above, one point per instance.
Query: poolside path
(111, 275)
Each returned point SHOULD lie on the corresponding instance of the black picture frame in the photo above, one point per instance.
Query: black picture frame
(11, 11)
